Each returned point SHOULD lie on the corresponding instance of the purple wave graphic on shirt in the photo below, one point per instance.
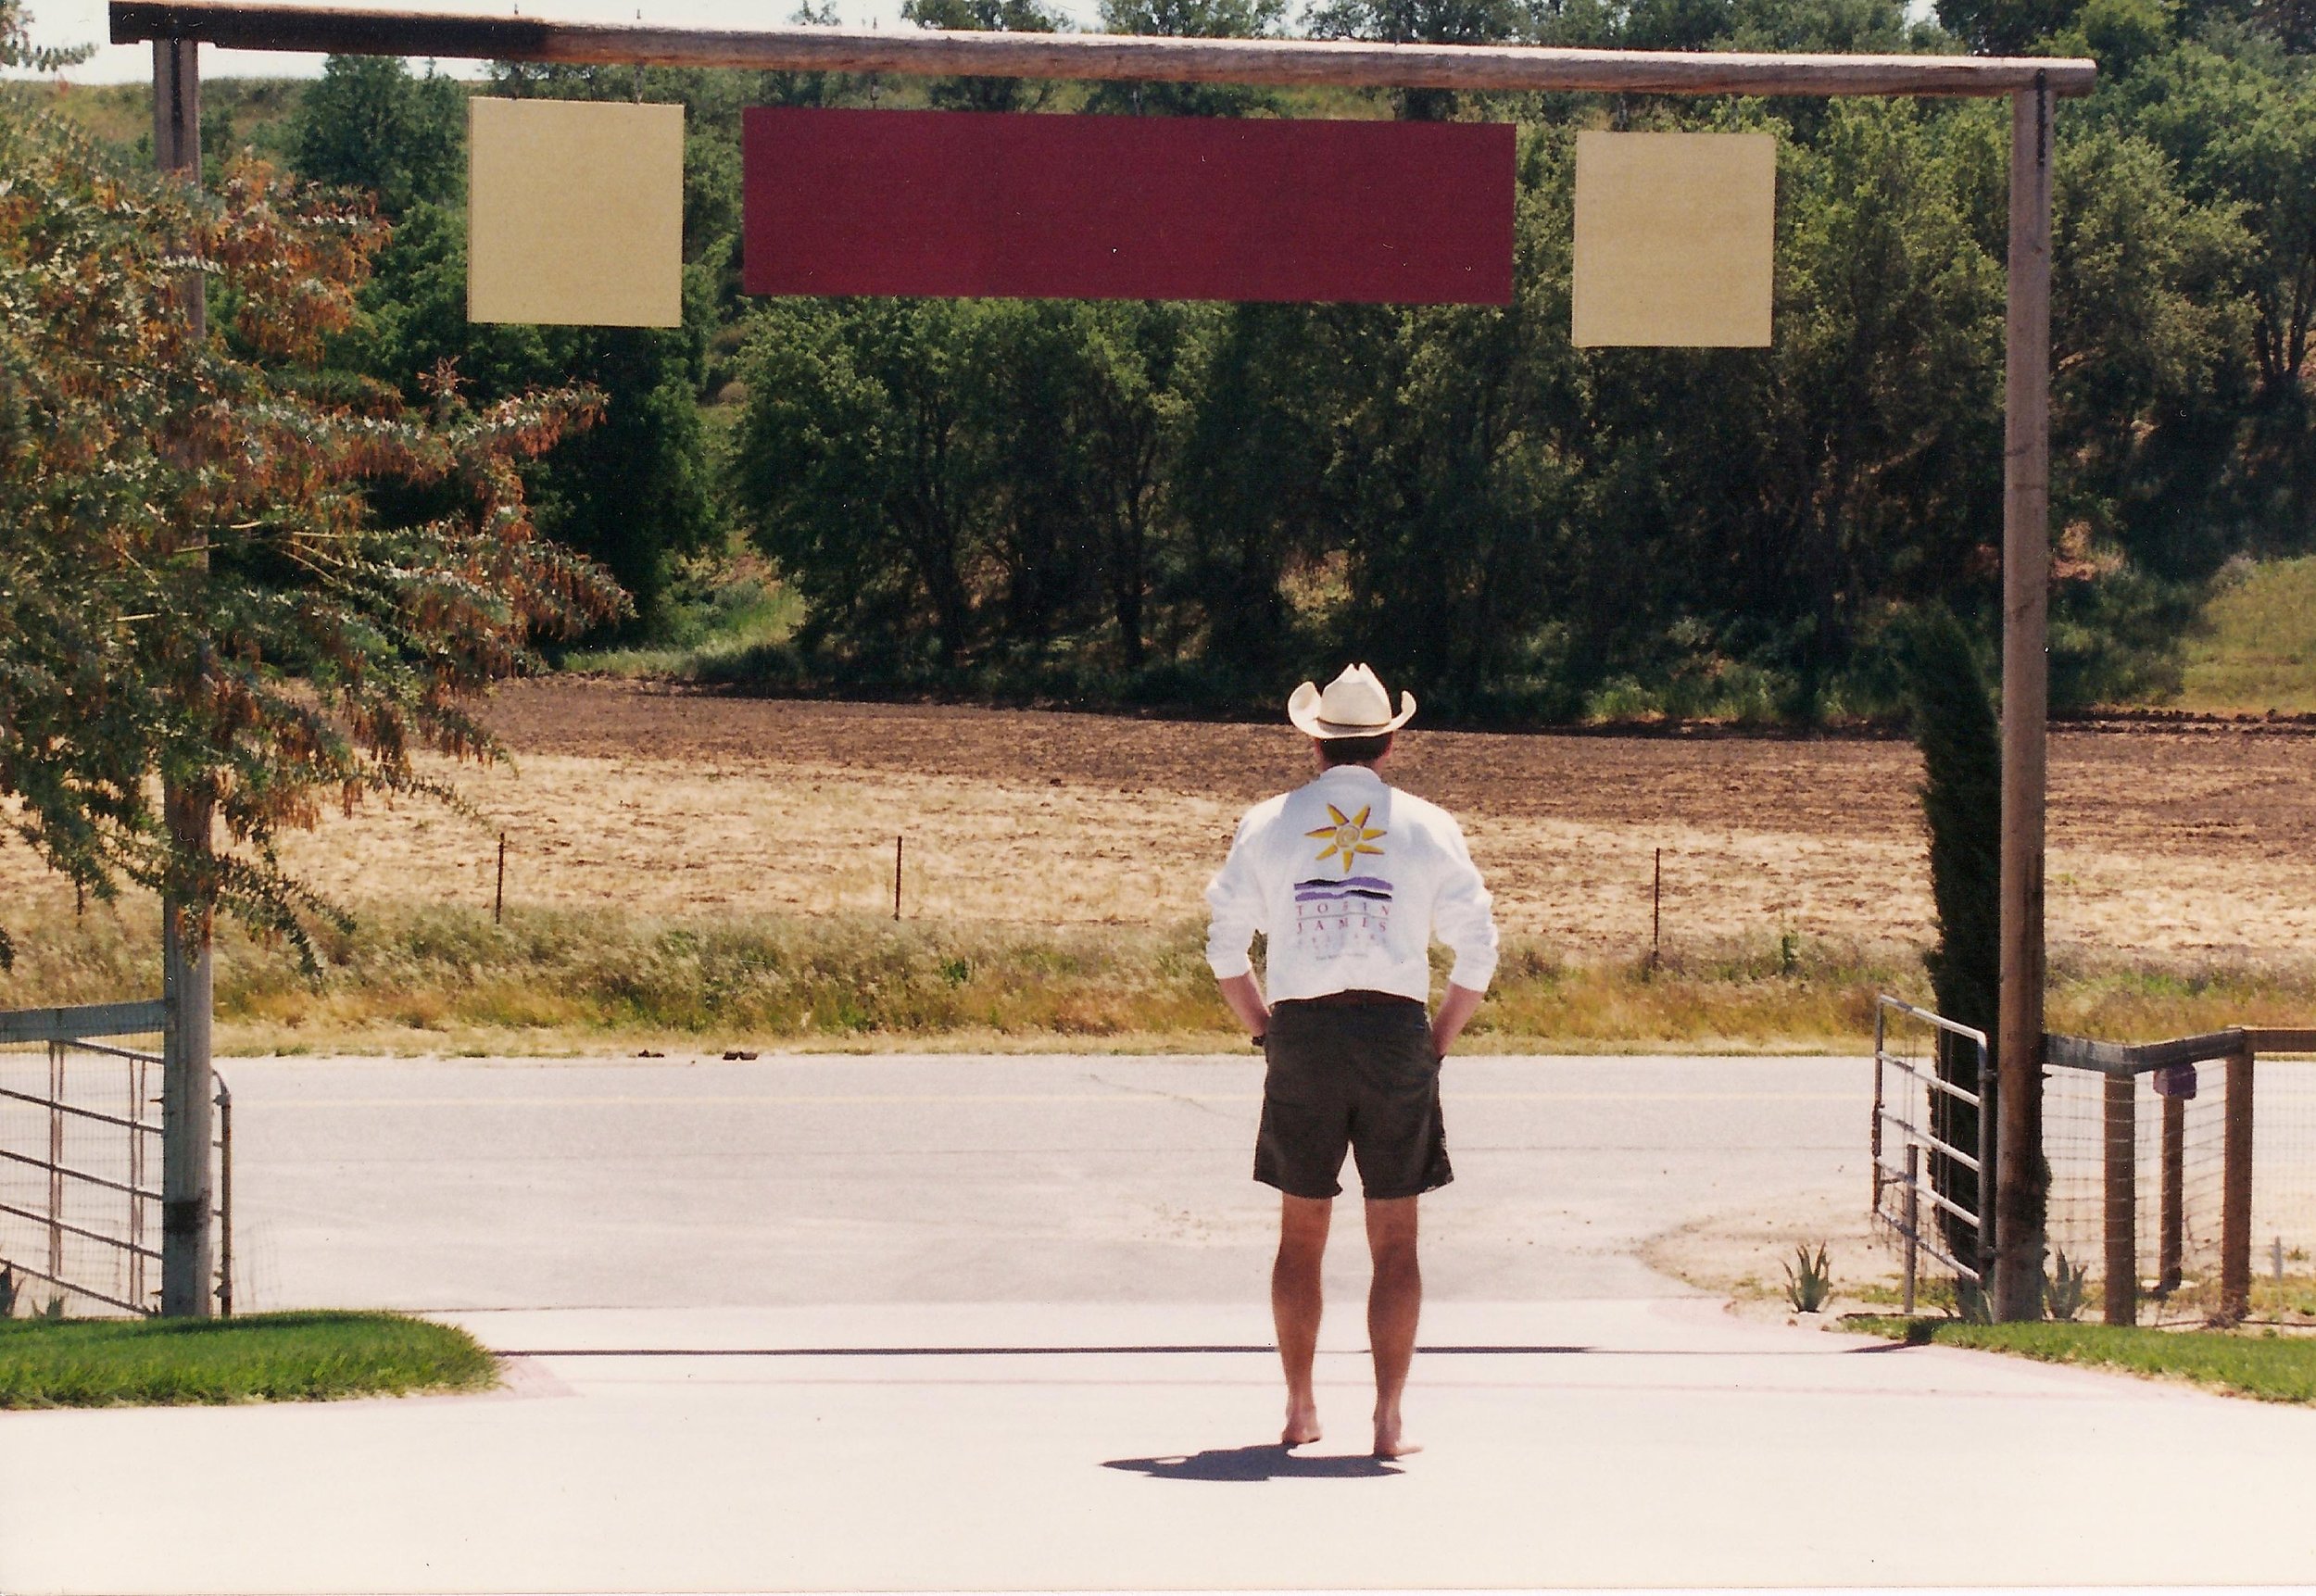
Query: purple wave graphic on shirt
(1349, 915)
(1373, 887)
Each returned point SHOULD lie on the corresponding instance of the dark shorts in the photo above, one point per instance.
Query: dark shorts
(1362, 1079)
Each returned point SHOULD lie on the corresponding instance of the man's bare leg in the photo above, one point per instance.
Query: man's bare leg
(1296, 1302)
(1394, 1300)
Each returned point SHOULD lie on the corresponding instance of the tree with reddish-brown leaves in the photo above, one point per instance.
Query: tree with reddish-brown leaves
(202, 586)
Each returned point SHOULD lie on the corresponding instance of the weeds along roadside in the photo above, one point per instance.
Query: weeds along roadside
(434, 979)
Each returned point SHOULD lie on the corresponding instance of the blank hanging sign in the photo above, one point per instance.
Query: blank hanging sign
(938, 203)
(575, 213)
(1676, 236)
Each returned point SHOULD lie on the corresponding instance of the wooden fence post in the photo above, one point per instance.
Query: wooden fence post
(2235, 1200)
(2121, 1266)
(2174, 1243)
(2018, 1194)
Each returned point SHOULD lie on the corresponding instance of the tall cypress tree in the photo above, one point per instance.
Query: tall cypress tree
(1955, 727)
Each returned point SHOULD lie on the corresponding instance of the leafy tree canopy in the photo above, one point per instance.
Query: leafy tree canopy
(197, 583)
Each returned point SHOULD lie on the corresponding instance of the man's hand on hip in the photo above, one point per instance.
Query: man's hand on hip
(1455, 1012)
(1245, 999)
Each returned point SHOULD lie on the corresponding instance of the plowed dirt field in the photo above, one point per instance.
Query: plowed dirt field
(2171, 839)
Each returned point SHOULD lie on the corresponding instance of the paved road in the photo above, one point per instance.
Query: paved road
(810, 1180)
(919, 1323)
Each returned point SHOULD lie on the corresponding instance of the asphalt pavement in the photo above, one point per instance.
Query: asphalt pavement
(806, 1180)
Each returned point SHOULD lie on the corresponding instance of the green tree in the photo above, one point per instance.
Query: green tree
(367, 123)
(857, 472)
(2005, 27)
(1137, 359)
(197, 583)
(634, 493)
(1250, 484)
(2237, 116)
(1953, 716)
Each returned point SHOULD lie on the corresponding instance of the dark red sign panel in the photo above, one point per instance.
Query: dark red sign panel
(936, 204)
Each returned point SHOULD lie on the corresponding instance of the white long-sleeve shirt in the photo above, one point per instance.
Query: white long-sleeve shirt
(1350, 879)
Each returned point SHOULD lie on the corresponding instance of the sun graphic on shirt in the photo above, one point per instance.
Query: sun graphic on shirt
(1348, 835)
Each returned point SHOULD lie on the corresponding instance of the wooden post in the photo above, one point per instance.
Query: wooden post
(498, 898)
(187, 986)
(2235, 1199)
(896, 878)
(2172, 1245)
(2121, 1266)
(1657, 914)
(2019, 1179)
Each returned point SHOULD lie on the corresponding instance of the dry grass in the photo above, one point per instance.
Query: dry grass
(436, 980)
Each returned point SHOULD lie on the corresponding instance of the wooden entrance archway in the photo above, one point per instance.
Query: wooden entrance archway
(176, 29)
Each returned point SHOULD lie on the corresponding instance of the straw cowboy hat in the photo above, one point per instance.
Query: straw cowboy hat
(1355, 705)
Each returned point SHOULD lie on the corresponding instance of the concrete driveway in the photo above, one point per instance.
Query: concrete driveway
(947, 1325)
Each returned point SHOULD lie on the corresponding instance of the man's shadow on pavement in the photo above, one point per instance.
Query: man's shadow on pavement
(1244, 1462)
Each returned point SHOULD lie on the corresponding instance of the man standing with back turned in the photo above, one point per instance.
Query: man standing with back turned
(1349, 879)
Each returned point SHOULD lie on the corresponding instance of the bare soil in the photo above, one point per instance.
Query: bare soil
(2166, 838)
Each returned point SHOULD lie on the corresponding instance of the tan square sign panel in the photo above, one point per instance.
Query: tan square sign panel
(575, 213)
(1675, 238)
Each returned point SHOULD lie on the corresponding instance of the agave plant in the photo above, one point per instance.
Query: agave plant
(1808, 1280)
(2068, 1288)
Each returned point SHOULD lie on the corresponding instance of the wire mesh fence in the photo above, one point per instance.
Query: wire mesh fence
(2140, 1167)
(2284, 1189)
(80, 1161)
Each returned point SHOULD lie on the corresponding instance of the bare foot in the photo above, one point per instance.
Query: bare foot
(1303, 1425)
(1390, 1442)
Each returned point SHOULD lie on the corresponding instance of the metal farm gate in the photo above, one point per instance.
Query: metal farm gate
(80, 1161)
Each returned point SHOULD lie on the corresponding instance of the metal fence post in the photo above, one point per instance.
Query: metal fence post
(1988, 1130)
(1873, 1162)
(224, 1200)
(1913, 1221)
(56, 1161)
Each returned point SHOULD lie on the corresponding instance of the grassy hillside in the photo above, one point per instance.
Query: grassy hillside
(2258, 651)
(244, 110)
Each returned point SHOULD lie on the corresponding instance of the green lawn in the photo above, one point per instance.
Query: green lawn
(2250, 1364)
(2259, 651)
(259, 1357)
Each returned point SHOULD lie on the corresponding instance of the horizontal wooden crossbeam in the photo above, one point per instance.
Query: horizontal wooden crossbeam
(89, 1020)
(2128, 1058)
(927, 52)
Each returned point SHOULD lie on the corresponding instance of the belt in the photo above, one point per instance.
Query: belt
(1353, 999)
